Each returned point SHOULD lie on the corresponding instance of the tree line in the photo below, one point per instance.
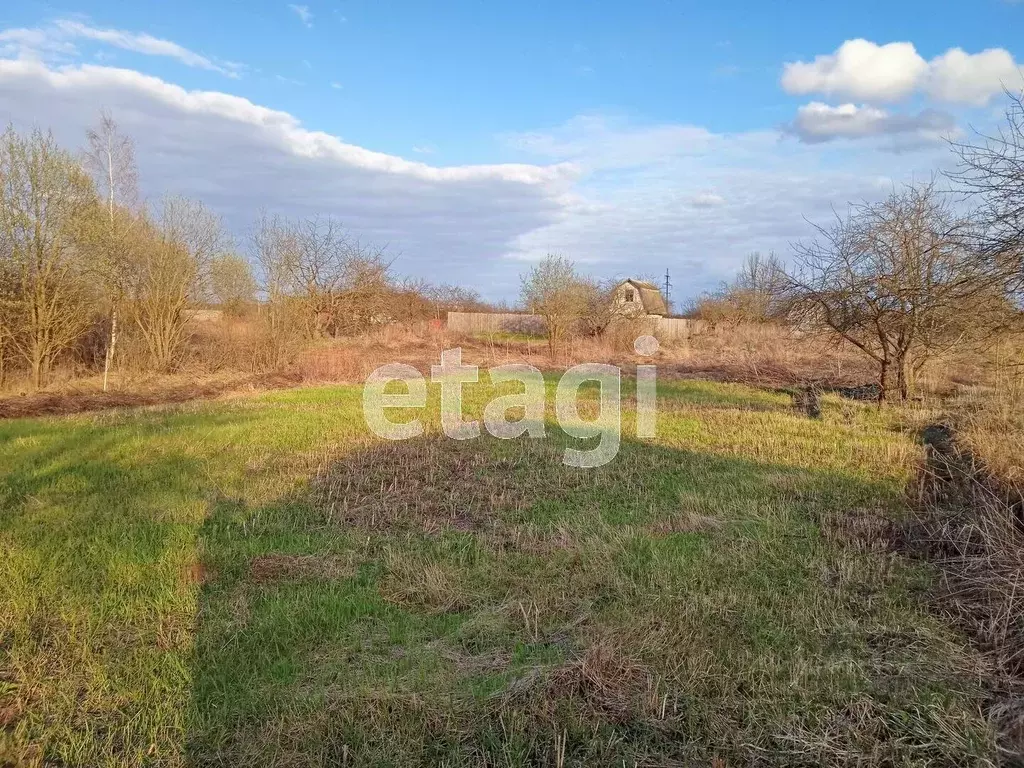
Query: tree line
(92, 277)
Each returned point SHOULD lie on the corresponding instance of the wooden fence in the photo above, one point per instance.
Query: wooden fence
(666, 328)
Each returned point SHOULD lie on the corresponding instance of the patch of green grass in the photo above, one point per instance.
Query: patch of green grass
(259, 582)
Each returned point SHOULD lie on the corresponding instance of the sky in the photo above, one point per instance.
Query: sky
(472, 138)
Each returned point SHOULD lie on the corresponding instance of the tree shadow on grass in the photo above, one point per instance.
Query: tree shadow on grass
(479, 603)
(97, 592)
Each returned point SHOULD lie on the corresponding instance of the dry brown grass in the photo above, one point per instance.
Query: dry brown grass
(971, 526)
(430, 485)
(279, 567)
(87, 395)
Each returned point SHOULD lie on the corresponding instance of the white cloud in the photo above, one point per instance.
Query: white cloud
(957, 76)
(862, 70)
(698, 206)
(859, 69)
(57, 39)
(817, 122)
(618, 197)
(302, 11)
(442, 223)
(32, 43)
(600, 142)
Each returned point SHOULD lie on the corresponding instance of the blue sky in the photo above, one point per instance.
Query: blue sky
(472, 137)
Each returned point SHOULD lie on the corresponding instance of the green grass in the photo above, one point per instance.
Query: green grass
(257, 582)
(502, 336)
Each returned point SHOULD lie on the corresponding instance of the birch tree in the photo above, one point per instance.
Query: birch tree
(110, 157)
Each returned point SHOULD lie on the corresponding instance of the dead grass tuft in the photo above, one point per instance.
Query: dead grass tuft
(432, 484)
(270, 568)
(863, 530)
(607, 681)
(687, 520)
(415, 582)
(602, 682)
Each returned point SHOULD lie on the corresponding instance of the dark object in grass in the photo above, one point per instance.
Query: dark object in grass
(808, 401)
(863, 392)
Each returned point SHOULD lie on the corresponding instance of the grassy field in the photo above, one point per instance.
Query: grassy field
(258, 582)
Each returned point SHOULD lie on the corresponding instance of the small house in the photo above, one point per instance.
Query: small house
(639, 297)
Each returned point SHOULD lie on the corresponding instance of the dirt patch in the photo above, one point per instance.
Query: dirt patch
(64, 403)
(197, 573)
(9, 714)
(270, 568)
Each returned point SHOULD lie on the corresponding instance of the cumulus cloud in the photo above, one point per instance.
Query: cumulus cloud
(859, 69)
(442, 223)
(59, 38)
(865, 71)
(817, 122)
(957, 76)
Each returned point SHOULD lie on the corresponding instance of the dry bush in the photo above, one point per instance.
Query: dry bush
(765, 354)
(971, 526)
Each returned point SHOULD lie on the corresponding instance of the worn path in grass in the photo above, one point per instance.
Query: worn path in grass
(258, 582)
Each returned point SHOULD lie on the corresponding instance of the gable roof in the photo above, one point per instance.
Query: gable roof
(650, 296)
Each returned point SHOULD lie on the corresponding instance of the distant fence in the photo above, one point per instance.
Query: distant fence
(511, 322)
(678, 327)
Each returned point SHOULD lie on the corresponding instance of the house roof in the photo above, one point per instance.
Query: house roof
(650, 296)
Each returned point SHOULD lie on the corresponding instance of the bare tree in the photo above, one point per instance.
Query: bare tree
(902, 280)
(317, 270)
(446, 298)
(757, 293)
(172, 267)
(554, 290)
(43, 197)
(232, 284)
(366, 296)
(9, 306)
(992, 171)
(599, 310)
(110, 157)
(274, 248)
